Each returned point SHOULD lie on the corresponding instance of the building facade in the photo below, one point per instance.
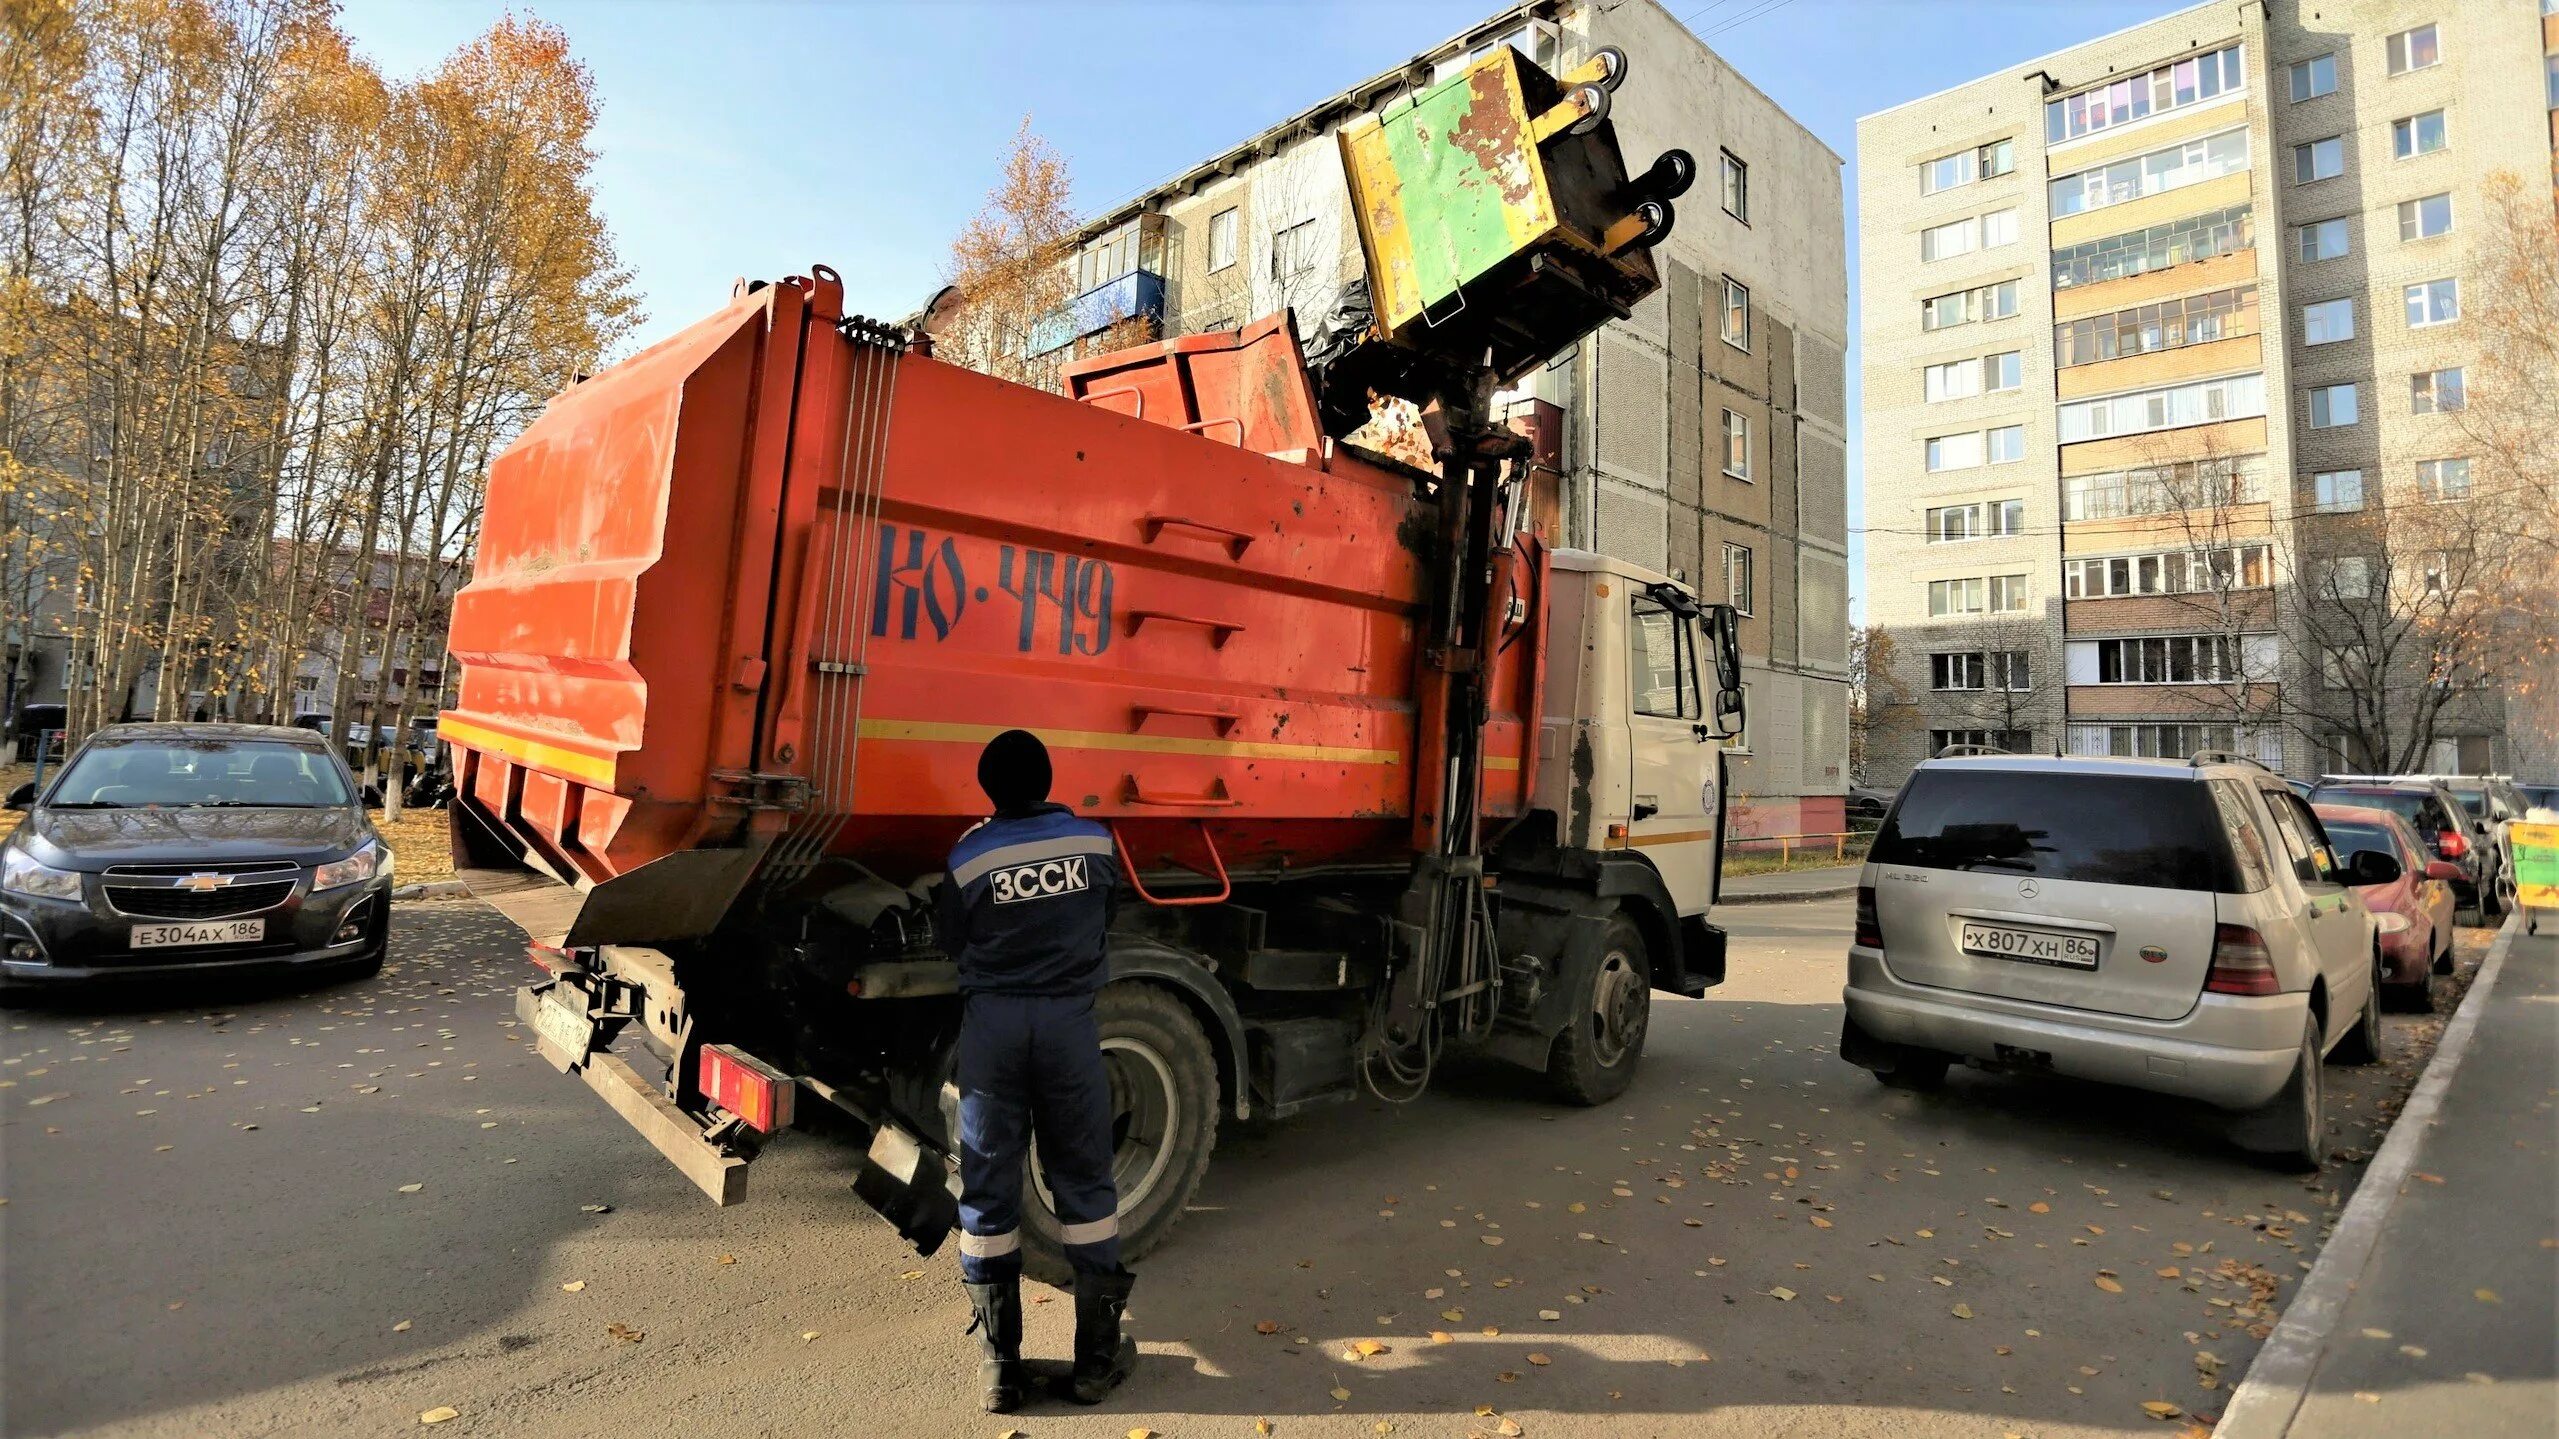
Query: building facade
(2152, 326)
(1705, 436)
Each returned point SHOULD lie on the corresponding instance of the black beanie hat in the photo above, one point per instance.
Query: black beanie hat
(1014, 771)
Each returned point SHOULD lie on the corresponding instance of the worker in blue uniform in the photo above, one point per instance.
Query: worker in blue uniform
(1024, 911)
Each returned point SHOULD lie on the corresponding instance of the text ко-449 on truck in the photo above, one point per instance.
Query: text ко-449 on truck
(1391, 776)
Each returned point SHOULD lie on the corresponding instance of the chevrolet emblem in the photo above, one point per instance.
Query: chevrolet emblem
(201, 882)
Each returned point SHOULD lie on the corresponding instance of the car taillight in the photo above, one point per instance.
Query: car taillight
(1870, 932)
(2451, 845)
(746, 1087)
(2240, 963)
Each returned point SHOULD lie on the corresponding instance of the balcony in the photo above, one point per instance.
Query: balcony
(1139, 294)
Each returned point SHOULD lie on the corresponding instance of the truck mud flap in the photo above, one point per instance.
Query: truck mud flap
(668, 1129)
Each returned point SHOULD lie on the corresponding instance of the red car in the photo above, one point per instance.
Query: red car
(2414, 911)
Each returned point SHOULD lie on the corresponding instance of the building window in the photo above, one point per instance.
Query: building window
(2417, 135)
(2007, 594)
(2425, 219)
(1982, 162)
(2337, 492)
(1998, 158)
(2010, 670)
(2347, 577)
(2332, 406)
(1944, 242)
(2190, 81)
(2325, 322)
(2171, 660)
(1981, 520)
(1953, 380)
(1737, 577)
(2336, 664)
(2550, 80)
(2314, 77)
(1999, 227)
(2413, 50)
(2201, 402)
(2323, 240)
(2006, 741)
(2003, 371)
(2176, 741)
(1736, 188)
(1958, 671)
(1963, 307)
(2169, 572)
(2138, 252)
(1736, 314)
(1293, 250)
(1221, 240)
(1737, 445)
(2443, 479)
(2194, 320)
(1958, 597)
(2189, 162)
(2006, 443)
(2163, 489)
(1955, 452)
(2435, 392)
(2433, 302)
(2319, 160)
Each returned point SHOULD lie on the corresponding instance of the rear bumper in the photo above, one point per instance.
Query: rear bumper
(2229, 1051)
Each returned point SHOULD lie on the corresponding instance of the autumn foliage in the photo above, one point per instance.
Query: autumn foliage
(265, 315)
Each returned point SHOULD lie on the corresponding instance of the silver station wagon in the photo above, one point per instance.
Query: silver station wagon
(2179, 926)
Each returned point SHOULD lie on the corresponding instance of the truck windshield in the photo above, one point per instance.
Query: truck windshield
(174, 773)
(2106, 829)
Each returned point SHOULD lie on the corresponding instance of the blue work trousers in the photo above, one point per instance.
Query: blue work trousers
(1030, 1067)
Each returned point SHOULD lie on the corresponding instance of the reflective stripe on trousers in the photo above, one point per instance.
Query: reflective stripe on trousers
(1030, 1070)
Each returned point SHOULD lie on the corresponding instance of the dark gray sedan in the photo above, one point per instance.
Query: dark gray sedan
(184, 849)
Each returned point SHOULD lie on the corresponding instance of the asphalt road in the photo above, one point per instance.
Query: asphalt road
(327, 1213)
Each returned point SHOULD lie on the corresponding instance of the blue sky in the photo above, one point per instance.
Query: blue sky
(755, 138)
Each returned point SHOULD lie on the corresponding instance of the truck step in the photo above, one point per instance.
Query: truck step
(1299, 969)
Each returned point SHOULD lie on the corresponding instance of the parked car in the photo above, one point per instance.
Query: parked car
(1868, 802)
(2177, 926)
(2439, 818)
(168, 849)
(2413, 912)
(2494, 802)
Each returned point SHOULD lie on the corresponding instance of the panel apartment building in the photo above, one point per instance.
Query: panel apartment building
(1704, 437)
(2138, 317)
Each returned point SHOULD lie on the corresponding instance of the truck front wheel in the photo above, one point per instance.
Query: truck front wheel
(1594, 1058)
(1164, 1103)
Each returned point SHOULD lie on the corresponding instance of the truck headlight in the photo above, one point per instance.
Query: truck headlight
(2390, 923)
(20, 874)
(362, 865)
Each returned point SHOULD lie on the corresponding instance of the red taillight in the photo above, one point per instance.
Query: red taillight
(1870, 933)
(2451, 845)
(746, 1087)
(2240, 963)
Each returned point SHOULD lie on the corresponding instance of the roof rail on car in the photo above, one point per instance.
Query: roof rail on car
(1958, 751)
(2203, 757)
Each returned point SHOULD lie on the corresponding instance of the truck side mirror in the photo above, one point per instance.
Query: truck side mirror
(1729, 716)
(1728, 651)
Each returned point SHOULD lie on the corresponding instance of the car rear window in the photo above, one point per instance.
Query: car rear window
(2157, 833)
(2347, 837)
(2415, 806)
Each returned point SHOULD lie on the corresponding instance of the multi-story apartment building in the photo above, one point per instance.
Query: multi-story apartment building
(1705, 436)
(2145, 323)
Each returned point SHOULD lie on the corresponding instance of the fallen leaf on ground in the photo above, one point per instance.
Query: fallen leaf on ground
(1341, 1395)
(912, 1274)
(595, 1209)
(1540, 1360)
(402, 1327)
(1781, 1292)
(728, 1259)
(2486, 1296)
(1141, 1432)
(439, 1414)
(1261, 1426)
(1452, 1315)
(411, 1188)
(1820, 1223)
(625, 1332)
(1490, 1238)
(1370, 1347)
(1267, 1326)
(1550, 1315)
(573, 1286)
(2110, 1284)
(807, 1334)
(2160, 1409)
(1962, 1311)
(1442, 1336)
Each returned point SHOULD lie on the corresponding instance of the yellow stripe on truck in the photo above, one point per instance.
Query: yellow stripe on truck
(978, 734)
(532, 752)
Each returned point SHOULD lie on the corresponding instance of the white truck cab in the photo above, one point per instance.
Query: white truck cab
(1643, 689)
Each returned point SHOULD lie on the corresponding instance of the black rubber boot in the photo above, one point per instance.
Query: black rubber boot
(1102, 1357)
(998, 1326)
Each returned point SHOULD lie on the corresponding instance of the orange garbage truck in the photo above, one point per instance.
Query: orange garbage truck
(1390, 775)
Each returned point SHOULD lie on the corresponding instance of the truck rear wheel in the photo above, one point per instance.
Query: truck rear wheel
(1594, 1058)
(1164, 1103)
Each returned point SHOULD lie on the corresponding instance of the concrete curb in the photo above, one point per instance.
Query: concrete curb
(2263, 1405)
(1787, 896)
(434, 889)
